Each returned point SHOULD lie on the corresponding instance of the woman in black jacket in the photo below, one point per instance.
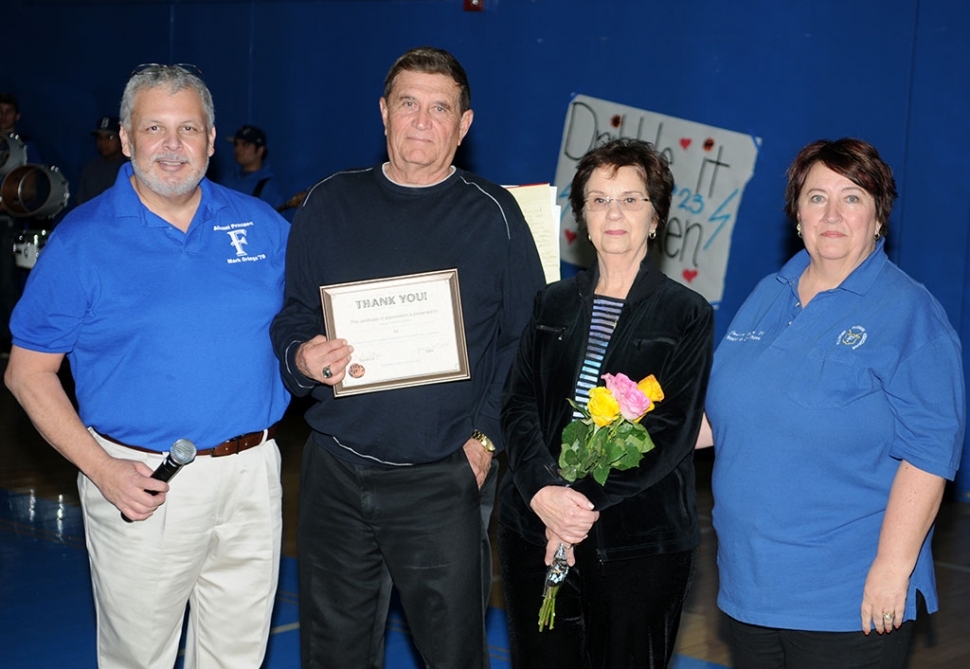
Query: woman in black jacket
(632, 542)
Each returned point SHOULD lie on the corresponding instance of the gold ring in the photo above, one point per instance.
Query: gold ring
(888, 616)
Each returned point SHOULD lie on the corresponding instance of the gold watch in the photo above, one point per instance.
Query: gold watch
(486, 443)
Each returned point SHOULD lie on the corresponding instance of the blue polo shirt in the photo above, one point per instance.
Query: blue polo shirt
(812, 410)
(167, 332)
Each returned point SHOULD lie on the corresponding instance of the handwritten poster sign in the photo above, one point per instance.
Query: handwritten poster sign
(711, 167)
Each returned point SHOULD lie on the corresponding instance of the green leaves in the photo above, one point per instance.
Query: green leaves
(575, 436)
(590, 449)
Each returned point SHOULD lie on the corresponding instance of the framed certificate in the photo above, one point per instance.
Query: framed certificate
(405, 330)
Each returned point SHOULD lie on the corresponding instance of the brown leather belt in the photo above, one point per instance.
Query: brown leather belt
(229, 447)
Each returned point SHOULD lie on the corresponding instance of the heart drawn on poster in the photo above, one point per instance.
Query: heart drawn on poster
(570, 236)
(685, 142)
(689, 274)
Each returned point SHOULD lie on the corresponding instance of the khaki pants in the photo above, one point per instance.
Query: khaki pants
(214, 544)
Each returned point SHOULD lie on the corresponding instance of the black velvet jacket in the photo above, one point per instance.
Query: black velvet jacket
(664, 329)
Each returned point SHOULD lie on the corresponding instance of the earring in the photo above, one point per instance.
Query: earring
(653, 234)
(798, 229)
(877, 236)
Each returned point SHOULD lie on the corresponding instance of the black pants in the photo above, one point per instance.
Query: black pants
(363, 528)
(611, 615)
(755, 647)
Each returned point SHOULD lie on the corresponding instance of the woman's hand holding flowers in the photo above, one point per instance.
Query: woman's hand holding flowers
(553, 543)
(566, 513)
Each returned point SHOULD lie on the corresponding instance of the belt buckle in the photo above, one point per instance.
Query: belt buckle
(234, 445)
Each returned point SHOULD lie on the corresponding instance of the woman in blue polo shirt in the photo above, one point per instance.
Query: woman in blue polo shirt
(837, 407)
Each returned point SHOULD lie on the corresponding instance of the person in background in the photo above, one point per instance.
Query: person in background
(633, 541)
(837, 406)
(398, 485)
(252, 175)
(99, 173)
(9, 117)
(11, 276)
(160, 292)
(9, 113)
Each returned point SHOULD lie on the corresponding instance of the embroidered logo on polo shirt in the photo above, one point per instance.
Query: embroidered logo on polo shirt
(753, 335)
(854, 337)
(238, 240)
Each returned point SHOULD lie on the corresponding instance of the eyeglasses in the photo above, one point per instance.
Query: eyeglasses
(188, 68)
(626, 203)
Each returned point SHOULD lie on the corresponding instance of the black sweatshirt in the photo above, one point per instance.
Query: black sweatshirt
(358, 225)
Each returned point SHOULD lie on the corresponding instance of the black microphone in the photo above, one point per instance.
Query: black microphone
(182, 453)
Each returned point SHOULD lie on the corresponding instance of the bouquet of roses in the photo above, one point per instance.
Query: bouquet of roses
(608, 435)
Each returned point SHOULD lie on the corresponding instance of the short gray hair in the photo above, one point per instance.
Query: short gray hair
(176, 78)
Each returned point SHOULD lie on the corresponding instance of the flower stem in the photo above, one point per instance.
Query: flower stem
(547, 612)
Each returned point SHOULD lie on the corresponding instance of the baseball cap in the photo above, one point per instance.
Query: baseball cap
(107, 124)
(249, 133)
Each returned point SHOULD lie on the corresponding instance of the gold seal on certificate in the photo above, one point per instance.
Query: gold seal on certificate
(405, 330)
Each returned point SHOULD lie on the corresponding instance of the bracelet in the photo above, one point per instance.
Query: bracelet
(486, 443)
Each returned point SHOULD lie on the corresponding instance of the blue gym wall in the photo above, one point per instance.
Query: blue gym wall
(893, 72)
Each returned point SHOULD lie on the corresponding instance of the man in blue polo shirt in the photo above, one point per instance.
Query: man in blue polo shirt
(160, 293)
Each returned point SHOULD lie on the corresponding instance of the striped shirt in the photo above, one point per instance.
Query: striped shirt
(606, 311)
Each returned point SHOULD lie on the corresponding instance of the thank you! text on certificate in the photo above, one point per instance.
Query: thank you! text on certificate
(405, 330)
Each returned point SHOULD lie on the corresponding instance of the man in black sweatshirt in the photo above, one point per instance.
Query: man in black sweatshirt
(397, 485)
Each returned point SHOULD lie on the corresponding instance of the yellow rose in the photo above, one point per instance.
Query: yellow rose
(651, 388)
(603, 407)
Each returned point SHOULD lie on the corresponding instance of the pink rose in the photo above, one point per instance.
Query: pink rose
(633, 402)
